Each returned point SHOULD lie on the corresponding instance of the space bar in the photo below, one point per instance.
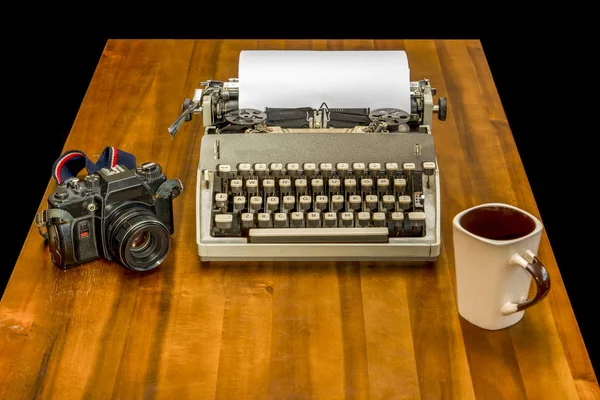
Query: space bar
(318, 235)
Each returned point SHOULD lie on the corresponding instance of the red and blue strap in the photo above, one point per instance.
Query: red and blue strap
(70, 163)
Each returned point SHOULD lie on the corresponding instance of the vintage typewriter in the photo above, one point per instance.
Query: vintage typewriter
(315, 184)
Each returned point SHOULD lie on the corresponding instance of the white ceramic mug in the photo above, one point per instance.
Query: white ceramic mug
(495, 247)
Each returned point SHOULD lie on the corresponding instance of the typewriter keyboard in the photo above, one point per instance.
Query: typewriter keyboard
(320, 202)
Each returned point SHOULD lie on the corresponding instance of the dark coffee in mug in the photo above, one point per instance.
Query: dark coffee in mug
(497, 223)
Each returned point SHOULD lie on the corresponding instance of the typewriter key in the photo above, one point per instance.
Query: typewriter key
(252, 186)
(404, 202)
(359, 169)
(330, 219)
(264, 220)
(372, 201)
(397, 221)
(388, 202)
(313, 219)
(248, 220)
(221, 200)
(391, 168)
(364, 218)
(334, 186)
(269, 186)
(342, 169)
(276, 169)
(321, 202)
(285, 186)
(224, 171)
(301, 186)
(289, 202)
(347, 219)
(239, 203)
(383, 185)
(236, 186)
(354, 202)
(272, 203)
(260, 170)
(366, 185)
(244, 169)
(325, 169)
(292, 169)
(379, 219)
(416, 221)
(337, 202)
(310, 169)
(297, 220)
(350, 185)
(223, 221)
(255, 203)
(374, 169)
(280, 221)
(399, 186)
(305, 202)
(428, 170)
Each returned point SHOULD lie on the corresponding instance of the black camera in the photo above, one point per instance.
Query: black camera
(119, 214)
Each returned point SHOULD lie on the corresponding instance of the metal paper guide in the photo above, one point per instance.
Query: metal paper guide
(317, 155)
(341, 79)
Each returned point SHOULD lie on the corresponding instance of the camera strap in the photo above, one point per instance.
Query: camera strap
(70, 163)
(67, 166)
(171, 188)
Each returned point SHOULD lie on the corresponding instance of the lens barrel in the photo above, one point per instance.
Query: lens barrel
(137, 239)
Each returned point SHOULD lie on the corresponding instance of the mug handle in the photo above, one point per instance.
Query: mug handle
(539, 273)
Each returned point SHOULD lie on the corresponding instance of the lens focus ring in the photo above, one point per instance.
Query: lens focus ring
(123, 232)
(128, 224)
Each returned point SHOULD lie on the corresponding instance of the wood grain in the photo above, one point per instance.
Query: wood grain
(318, 330)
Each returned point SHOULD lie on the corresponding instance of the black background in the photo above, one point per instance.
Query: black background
(53, 68)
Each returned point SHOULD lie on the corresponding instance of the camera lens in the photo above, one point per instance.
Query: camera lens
(137, 239)
(140, 241)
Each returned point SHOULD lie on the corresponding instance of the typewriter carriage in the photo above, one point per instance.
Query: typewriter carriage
(217, 101)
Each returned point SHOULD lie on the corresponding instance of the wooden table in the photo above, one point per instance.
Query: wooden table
(281, 330)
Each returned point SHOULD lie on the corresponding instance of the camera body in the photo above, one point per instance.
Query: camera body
(116, 213)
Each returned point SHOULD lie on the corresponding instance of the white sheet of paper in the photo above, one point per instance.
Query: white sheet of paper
(341, 79)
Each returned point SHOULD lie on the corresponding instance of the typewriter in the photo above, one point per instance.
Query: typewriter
(315, 183)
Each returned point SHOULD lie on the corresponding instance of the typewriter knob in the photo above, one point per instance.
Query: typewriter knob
(442, 108)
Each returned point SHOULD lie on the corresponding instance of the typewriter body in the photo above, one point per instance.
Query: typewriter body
(315, 184)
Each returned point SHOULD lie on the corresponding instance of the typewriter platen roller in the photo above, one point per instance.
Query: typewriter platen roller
(316, 183)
